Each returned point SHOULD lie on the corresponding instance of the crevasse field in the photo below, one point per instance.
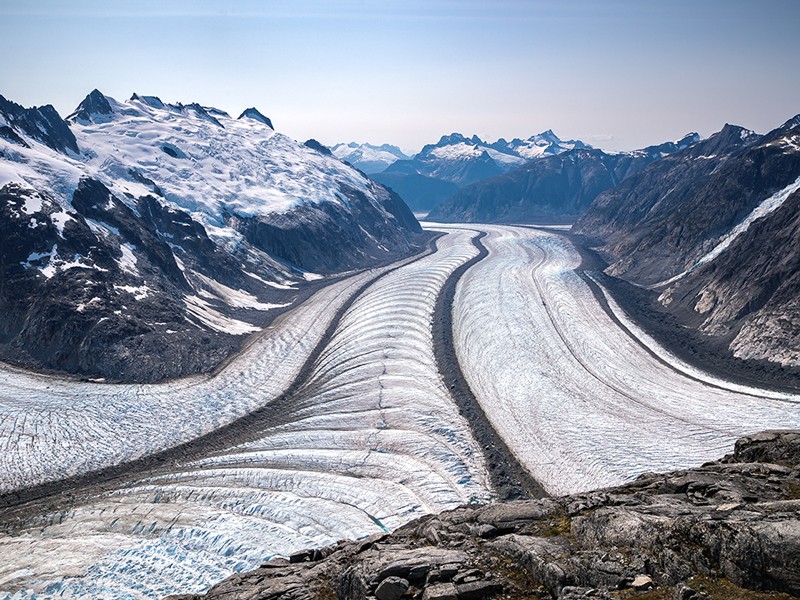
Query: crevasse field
(370, 438)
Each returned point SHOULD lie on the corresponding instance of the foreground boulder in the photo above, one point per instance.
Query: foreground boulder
(729, 529)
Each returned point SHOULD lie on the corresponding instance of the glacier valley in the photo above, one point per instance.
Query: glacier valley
(336, 423)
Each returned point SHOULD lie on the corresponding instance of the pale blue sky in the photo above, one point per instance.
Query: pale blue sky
(618, 74)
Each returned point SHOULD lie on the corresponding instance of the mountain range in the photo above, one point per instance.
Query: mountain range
(137, 230)
(549, 188)
(440, 169)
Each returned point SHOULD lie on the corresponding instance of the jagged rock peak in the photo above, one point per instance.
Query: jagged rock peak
(736, 130)
(687, 140)
(252, 113)
(315, 145)
(153, 101)
(42, 123)
(791, 123)
(549, 136)
(457, 138)
(94, 104)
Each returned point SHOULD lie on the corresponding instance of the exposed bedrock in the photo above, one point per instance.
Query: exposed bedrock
(729, 529)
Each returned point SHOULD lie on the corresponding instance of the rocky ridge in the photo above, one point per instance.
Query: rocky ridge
(728, 529)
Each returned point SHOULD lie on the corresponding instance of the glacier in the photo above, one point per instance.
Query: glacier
(581, 401)
(371, 440)
(355, 433)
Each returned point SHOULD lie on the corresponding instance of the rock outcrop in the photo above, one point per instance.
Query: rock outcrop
(729, 529)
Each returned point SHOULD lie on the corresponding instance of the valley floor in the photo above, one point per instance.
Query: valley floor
(337, 423)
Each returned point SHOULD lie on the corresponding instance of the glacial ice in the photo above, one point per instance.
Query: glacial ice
(577, 398)
(371, 441)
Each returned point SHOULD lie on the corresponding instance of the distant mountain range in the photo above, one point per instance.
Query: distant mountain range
(132, 230)
(440, 169)
(367, 157)
(551, 187)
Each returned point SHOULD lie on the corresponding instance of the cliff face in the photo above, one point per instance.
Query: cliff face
(729, 529)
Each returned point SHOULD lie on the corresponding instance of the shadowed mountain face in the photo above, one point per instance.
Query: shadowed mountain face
(552, 189)
(748, 296)
(713, 230)
(421, 193)
(144, 241)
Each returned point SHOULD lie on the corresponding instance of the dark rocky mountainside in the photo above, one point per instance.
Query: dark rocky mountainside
(713, 232)
(42, 123)
(156, 260)
(655, 224)
(727, 530)
(549, 189)
(747, 298)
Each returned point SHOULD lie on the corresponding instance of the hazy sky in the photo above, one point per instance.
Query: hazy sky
(617, 74)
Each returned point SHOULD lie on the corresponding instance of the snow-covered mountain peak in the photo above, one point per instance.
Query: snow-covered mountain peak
(208, 163)
(198, 159)
(729, 130)
(790, 124)
(177, 217)
(687, 140)
(153, 101)
(542, 144)
(94, 108)
(40, 123)
(547, 136)
(253, 113)
(368, 157)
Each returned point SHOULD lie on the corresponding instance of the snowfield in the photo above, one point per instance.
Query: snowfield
(203, 161)
(579, 400)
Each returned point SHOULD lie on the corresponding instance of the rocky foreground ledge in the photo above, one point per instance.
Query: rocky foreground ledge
(727, 530)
